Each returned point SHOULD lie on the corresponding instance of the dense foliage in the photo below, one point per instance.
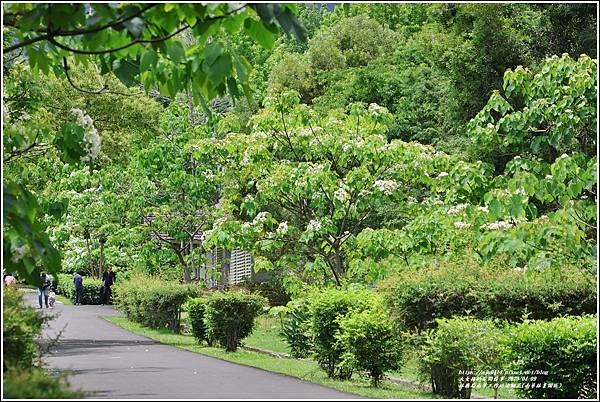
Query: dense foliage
(153, 302)
(229, 317)
(92, 289)
(564, 348)
(464, 287)
(196, 309)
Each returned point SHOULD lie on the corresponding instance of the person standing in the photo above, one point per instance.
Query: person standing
(43, 289)
(9, 279)
(78, 281)
(108, 279)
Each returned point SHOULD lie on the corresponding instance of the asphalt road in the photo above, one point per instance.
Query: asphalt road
(109, 362)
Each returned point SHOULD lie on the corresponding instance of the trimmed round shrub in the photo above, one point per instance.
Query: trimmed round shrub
(196, 309)
(459, 288)
(565, 348)
(229, 317)
(370, 344)
(327, 307)
(153, 302)
(457, 347)
(295, 328)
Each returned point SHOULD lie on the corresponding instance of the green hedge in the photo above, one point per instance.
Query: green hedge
(229, 317)
(461, 343)
(369, 343)
(35, 383)
(92, 289)
(196, 309)
(458, 288)
(153, 302)
(565, 347)
(327, 307)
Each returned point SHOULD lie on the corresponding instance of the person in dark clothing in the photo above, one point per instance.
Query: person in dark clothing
(108, 279)
(78, 281)
(43, 289)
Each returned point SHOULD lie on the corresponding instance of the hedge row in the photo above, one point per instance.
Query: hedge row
(92, 289)
(153, 302)
(346, 331)
(224, 317)
(563, 350)
(417, 298)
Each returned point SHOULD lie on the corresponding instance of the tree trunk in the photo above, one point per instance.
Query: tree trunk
(226, 267)
(186, 269)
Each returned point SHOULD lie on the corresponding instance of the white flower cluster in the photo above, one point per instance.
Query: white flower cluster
(549, 177)
(91, 138)
(208, 174)
(314, 225)
(462, 225)
(386, 186)
(497, 225)
(443, 174)
(341, 194)
(483, 209)
(376, 110)
(260, 217)
(282, 228)
(438, 202)
(456, 209)
(411, 200)
(520, 191)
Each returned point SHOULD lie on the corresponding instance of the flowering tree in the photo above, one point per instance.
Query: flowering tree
(300, 188)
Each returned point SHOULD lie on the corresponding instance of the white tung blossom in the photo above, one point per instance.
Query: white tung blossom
(456, 209)
(260, 217)
(341, 194)
(549, 177)
(497, 225)
(462, 225)
(483, 209)
(443, 174)
(386, 186)
(19, 252)
(314, 225)
(282, 228)
(91, 138)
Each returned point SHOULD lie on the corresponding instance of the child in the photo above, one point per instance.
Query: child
(51, 298)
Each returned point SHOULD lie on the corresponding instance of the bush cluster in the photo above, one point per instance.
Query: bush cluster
(153, 302)
(458, 344)
(295, 328)
(417, 298)
(21, 325)
(229, 317)
(564, 347)
(92, 289)
(196, 308)
(345, 330)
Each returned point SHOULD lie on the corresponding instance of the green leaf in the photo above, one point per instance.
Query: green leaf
(149, 59)
(259, 33)
(219, 70)
(175, 51)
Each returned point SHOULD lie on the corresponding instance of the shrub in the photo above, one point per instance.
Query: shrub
(35, 383)
(369, 343)
(92, 288)
(565, 347)
(459, 344)
(153, 302)
(295, 328)
(458, 288)
(196, 309)
(327, 307)
(229, 317)
(20, 326)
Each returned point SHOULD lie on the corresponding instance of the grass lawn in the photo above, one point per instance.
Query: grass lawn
(266, 336)
(304, 369)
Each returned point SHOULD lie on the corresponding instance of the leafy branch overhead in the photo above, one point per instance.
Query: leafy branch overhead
(140, 43)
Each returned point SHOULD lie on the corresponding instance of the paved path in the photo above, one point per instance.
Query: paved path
(111, 362)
